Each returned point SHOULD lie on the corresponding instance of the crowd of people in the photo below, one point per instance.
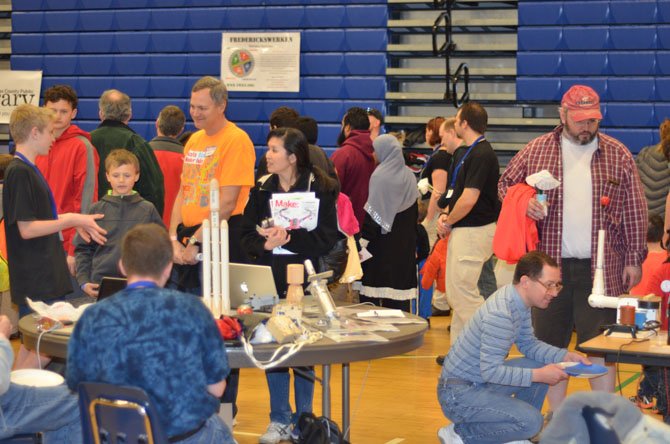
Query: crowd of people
(79, 207)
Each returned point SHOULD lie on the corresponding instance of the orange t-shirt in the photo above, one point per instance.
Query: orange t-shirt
(229, 157)
(649, 266)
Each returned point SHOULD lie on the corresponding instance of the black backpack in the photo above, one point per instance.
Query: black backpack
(319, 430)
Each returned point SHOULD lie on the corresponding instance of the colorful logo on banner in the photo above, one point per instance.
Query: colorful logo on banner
(241, 63)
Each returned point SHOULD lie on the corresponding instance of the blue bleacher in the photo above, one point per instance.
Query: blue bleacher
(169, 42)
(87, 109)
(539, 63)
(662, 85)
(549, 38)
(663, 36)
(27, 43)
(202, 64)
(322, 87)
(324, 110)
(631, 89)
(540, 88)
(331, 63)
(586, 13)
(586, 38)
(632, 63)
(93, 86)
(132, 19)
(57, 21)
(540, 13)
(27, 5)
(270, 105)
(324, 17)
(322, 40)
(245, 18)
(629, 115)
(662, 112)
(98, 20)
(135, 87)
(165, 19)
(365, 64)
(96, 42)
(169, 87)
(32, 21)
(364, 88)
(328, 134)
(585, 63)
(287, 17)
(48, 82)
(635, 11)
(130, 64)
(365, 40)
(204, 41)
(208, 18)
(663, 12)
(358, 16)
(633, 37)
(633, 138)
(246, 111)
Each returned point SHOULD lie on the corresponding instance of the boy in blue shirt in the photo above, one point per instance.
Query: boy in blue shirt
(123, 209)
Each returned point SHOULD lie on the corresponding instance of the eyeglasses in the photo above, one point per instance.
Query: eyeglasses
(558, 286)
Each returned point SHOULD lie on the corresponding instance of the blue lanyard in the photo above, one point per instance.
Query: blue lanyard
(462, 161)
(142, 284)
(52, 201)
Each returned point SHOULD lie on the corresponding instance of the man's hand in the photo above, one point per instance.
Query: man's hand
(443, 228)
(550, 374)
(631, 276)
(5, 327)
(535, 210)
(189, 254)
(71, 264)
(177, 252)
(87, 228)
(576, 357)
(91, 289)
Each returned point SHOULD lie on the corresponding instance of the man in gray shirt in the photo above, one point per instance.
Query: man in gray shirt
(491, 399)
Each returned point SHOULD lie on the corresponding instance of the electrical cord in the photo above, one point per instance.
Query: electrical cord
(618, 357)
(56, 326)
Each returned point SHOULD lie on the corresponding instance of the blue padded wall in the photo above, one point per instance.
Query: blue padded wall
(154, 50)
(621, 48)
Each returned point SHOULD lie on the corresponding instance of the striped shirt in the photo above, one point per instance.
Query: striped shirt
(614, 176)
(481, 349)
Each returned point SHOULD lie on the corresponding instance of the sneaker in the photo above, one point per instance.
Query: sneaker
(275, 433)
(448, 435)
(440, 360)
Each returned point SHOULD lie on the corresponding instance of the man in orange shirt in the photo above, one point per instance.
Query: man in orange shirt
(218, 150)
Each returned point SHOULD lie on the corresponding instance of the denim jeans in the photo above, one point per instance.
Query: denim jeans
(214, 431)
(278, 383)
(487, 413)
(53, 410)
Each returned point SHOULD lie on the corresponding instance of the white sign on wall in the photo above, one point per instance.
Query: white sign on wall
(261, 61)
(17, 88)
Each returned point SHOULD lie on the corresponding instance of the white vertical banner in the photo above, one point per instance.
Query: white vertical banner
(18, 88)
(261, 61)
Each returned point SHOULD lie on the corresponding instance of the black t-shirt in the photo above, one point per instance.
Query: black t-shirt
(480, 170)
(439, 160)
(37, 267)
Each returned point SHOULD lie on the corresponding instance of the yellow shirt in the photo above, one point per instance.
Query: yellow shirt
(229, 157)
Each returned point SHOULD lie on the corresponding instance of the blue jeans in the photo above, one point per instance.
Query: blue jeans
(53, 410)
(215, 430)
(278, 383)
(487, 413)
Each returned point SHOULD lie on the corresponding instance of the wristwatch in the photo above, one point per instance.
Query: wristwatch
(193, 241)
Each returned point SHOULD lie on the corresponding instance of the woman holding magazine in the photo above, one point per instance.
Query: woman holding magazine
(300, 199)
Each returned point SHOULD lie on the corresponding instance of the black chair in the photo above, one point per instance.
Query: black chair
(112, 414)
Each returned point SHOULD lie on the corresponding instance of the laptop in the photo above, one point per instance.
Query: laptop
(109, 286)
(253, 285)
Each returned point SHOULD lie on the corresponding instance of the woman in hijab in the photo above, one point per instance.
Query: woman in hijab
(390, 276)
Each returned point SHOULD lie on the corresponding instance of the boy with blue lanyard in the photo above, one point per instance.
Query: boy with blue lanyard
(37, 266)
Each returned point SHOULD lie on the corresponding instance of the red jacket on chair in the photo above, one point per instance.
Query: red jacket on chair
(435, 268)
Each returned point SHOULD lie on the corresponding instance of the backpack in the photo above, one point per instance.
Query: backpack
(319, 430)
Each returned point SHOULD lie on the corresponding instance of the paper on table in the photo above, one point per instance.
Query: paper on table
(381, 314)
(60, 311)
(354, 336)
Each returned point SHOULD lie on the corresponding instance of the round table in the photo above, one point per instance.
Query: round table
(323, 352)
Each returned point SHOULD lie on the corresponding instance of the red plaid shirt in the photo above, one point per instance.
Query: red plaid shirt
(613, 175)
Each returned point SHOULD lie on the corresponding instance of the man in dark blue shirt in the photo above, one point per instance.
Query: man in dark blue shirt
(160, 340)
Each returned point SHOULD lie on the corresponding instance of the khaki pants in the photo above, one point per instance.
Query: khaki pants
(468, 249)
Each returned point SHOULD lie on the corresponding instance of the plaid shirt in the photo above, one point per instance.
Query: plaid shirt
(613, 175)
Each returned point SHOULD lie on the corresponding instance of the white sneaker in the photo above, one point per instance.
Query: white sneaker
(275, 433)
(448, 435)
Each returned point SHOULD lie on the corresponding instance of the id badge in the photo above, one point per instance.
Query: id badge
(450, 192)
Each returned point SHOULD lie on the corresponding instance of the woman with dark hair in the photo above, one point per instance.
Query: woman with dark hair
(290, 172)
(390, 275)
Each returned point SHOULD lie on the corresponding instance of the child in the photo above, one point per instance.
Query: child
(37, 266)
(123, 209)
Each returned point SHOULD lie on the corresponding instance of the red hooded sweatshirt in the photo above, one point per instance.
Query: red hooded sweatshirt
(71, 170)
(516, 234)
(354, 162)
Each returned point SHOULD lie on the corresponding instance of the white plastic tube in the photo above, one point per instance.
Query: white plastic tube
(206, 264)
(225, 261)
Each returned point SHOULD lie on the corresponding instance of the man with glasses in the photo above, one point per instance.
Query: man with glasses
(492, 399)
(597, 172)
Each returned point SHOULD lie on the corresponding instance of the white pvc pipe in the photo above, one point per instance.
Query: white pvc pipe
(599, 274)
(206, 264)
(225, 260)
(216, 248)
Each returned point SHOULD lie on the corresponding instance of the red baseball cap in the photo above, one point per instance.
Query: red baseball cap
(583, 102)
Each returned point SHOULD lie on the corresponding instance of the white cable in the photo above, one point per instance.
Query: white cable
(56, 326)
(289, 349)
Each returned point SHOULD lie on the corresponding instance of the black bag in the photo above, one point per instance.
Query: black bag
(335, 260)
(319, 430)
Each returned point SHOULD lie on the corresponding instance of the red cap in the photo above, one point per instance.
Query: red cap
(583, 102)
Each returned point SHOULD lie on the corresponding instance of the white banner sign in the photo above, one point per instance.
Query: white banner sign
(17, 88)
(261, 61)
